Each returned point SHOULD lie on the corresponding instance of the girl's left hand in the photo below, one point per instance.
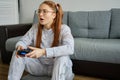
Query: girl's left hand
(36, 52)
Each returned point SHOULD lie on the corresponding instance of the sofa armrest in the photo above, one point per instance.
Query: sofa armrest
(9, 31)
(14, 30)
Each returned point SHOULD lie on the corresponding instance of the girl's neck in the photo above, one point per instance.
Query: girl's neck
(47, 27)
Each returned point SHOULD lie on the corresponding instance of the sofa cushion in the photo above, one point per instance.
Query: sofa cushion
(115, 23)
(35, 18)
(92, 24)
(78, 22)
(10, 43)
(65, 17)
(99, 24)
(100, 50)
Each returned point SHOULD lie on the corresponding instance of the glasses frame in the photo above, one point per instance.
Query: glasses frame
(44, 11)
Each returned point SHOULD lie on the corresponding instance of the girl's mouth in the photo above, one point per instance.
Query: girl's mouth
(41, 19)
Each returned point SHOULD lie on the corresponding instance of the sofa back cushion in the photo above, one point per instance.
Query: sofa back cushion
(35, 18)
(91, 24)
(78, 22)
(115, 23)
(65, 17)
(99, 24)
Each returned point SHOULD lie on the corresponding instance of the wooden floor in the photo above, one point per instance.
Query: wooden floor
(3, 71)
(5, 67)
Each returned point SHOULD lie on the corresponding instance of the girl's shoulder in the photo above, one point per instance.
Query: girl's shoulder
(65, 27)
(35, 26)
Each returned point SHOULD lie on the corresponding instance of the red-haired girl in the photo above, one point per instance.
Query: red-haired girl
(51, 43)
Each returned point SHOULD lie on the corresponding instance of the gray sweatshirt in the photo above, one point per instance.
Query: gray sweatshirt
(66, 41)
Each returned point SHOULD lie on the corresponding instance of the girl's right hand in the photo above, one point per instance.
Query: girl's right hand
(18, 48)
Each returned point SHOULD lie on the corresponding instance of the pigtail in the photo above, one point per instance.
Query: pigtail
(57, 25)
(38, 36)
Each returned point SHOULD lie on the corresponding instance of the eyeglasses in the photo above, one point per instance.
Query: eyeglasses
(44, 11)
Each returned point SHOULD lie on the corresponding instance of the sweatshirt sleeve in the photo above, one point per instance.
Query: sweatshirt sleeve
(66, 46)
(27, 39)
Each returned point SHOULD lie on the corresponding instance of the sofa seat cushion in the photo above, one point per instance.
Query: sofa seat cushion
(100, 50)
(10, 43)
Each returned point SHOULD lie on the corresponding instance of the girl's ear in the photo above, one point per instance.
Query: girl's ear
(54, 15)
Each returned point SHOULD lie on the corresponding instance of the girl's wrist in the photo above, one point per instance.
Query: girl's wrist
(44, 51)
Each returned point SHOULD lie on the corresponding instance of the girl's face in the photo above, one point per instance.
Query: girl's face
(46, 15)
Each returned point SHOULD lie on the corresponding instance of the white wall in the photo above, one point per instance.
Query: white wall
(27, 7)
(9, 12)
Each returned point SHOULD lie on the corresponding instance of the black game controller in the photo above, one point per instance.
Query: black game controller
(24, 51)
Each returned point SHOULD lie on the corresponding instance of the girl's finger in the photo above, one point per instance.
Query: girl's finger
(32, 48)
(29, 54)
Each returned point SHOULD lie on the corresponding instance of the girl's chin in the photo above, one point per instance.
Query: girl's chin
(42, 23)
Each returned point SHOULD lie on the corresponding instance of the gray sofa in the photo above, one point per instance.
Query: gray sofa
(97, 41)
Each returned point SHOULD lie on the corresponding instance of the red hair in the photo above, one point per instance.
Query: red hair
(56, 25)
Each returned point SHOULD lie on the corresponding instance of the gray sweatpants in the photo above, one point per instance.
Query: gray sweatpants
(59, 68)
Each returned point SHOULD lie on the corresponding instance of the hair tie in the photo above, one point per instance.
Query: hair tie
(56, 7)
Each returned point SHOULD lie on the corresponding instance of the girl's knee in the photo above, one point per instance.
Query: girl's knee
(61, 59)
